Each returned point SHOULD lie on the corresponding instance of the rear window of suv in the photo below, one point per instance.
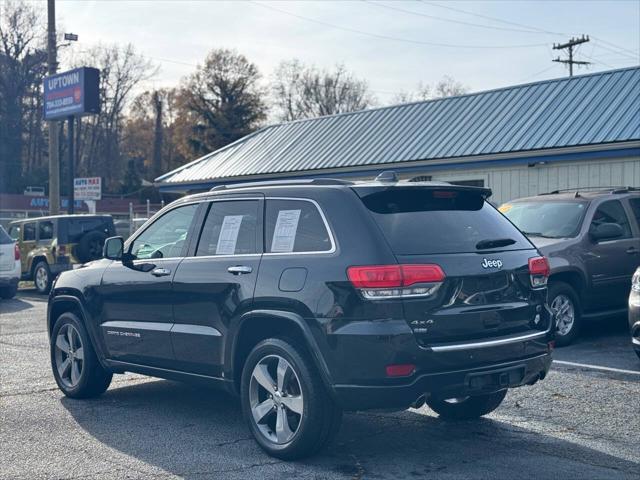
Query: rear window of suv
(434, 221)
(4, 237)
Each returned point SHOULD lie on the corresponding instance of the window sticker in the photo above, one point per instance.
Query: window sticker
(228, 235)
(284, 235)
(504, 208)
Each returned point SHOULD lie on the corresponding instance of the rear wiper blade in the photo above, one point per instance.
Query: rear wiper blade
(494, 243)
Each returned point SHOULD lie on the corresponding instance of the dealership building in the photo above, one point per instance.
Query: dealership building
(522, 140)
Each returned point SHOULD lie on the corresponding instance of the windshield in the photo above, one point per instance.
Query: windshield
(433, 221)
(546, 219)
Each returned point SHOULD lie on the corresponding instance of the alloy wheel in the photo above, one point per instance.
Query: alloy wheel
(41, 278)
(69, 355)
(564, 311)
(275, 398)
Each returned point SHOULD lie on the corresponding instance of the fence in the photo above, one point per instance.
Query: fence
(138, 214)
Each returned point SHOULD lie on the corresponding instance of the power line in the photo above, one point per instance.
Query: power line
(389, 37)
(631, 53)
(460, 22)
(595, 60)
(569, 47)
(617, 52)
(160, 59)
(635, 53)
(529, 77)
(487, 17)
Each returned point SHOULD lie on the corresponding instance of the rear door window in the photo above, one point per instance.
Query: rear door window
(295, 226)
(419, 220)
(612, 212)
(14, 232)
(45, 230)
(29, 233)
(231, 228)
(635, 207)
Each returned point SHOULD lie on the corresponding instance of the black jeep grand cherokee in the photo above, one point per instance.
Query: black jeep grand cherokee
(311, 297)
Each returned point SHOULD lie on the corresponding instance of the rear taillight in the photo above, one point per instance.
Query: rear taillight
(539, 271)
(16, 252)
(62, 250)
(396, 281)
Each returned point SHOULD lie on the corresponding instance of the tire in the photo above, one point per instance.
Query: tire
(562, 296)
(319, 417)
(87, 378)
(8, 292)
(90, 246)
(467, 408)
(42, 277)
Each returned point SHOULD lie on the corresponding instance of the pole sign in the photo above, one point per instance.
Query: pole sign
(72, 93)
(89, 188)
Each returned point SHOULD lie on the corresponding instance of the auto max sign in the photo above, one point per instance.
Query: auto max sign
(72, 93)
(89, 188)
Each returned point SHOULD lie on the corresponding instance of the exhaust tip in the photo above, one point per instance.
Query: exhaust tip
(419, 402)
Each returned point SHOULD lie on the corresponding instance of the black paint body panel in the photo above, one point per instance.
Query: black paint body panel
(186, 325)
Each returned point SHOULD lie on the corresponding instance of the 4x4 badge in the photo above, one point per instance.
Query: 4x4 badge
(486, 263)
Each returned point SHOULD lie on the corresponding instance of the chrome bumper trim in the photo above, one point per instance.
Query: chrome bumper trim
(489, 343)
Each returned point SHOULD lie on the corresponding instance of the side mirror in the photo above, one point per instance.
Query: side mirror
(113, 248)
(606, 231)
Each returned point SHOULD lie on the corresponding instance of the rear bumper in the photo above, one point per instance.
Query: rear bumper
(456, 383)
(6, 281)
(10, 278)
(444, 370)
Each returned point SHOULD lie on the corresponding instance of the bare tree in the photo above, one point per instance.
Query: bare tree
(221, 102)
(445, 87)
(301, 91)
(22, 65)
(448, 87)
(150, 134)
(122, 69)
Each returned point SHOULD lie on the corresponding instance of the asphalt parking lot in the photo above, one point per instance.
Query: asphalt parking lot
(582, 422)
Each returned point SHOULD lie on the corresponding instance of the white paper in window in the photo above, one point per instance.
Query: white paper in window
(228, 235)
(284, 235)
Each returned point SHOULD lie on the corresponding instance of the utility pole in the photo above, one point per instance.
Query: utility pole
(573, 42)
(54, 152)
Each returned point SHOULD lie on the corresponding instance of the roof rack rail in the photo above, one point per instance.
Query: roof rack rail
(284, 183)
(606, 189)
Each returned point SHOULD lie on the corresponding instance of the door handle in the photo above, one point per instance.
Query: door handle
(632, 250)
(240, 269)
(160, 272)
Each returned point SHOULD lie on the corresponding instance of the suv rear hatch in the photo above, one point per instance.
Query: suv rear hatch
(466, 273)
(7, 251)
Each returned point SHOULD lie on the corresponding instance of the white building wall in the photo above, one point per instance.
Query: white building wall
(513, 182)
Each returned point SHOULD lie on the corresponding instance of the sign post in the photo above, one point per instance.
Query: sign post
(69, 95)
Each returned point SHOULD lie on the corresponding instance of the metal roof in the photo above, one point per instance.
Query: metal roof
(599, 108)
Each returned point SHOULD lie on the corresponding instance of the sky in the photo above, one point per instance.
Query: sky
(394, 45)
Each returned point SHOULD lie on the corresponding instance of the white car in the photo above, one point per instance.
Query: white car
(9, 265)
